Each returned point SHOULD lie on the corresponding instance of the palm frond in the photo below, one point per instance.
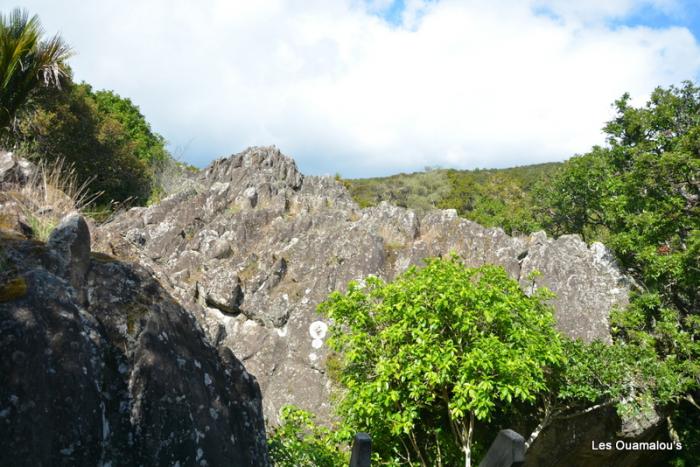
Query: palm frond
(26, 62)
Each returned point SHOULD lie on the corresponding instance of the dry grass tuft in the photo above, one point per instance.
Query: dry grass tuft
(52, 192)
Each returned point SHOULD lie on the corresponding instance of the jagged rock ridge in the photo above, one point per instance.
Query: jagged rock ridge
(258, 245)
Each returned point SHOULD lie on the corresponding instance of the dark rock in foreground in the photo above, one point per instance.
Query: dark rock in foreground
(100, 365)
(571, 442)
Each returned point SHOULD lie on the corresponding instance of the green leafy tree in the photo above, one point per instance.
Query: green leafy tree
(640, 195)
(26, 62)
(70, 125)
(149, 147)
(299, 442)
(596, 375)
(427, 358)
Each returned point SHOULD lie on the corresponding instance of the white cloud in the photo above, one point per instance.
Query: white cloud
(462, 84)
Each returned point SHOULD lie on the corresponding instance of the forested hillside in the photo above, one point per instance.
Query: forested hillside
(491, 197)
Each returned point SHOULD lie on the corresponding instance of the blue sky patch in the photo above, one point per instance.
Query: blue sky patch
(686, 16)
(392, 15)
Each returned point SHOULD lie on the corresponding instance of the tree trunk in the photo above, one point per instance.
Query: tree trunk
(468, 442)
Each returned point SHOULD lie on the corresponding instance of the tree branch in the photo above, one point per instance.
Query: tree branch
(689, 398)
(549, 417)
(585, 411)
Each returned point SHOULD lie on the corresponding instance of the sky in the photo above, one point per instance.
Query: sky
(375, 87)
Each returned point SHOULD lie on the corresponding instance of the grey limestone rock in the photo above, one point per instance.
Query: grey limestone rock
(263, 245)
(69, 245)
(14, 171)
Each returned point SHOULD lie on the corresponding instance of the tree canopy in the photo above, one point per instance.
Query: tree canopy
(148, 146)
(46, 117)
(70, 125)
(640, 195)
(429, 356)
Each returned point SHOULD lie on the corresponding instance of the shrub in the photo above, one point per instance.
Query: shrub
(299, 442)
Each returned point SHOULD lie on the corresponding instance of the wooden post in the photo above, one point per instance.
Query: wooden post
(507, 450)
(361, 451)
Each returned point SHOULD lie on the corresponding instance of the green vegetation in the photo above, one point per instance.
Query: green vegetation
(299, 442)
(493, 197)
(26, 62)
(90, 133)
(498, 198)
(435, 362)
(46, 117)
(640, 195)
(437, 351)
(398, 344)
(421, 190)
(148, 147)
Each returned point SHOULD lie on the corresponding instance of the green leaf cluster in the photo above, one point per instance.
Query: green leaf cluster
(438, 350)
(621, 374)
(148, 146)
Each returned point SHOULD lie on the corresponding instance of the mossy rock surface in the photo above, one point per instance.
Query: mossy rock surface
(13, 289)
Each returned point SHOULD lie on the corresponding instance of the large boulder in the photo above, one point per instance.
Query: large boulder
(100, 365)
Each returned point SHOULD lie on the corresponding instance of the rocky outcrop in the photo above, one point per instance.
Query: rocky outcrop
(14, 170)
(100, 365)
(259, 245)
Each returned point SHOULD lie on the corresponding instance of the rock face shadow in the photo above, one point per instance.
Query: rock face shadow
(101, 365)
